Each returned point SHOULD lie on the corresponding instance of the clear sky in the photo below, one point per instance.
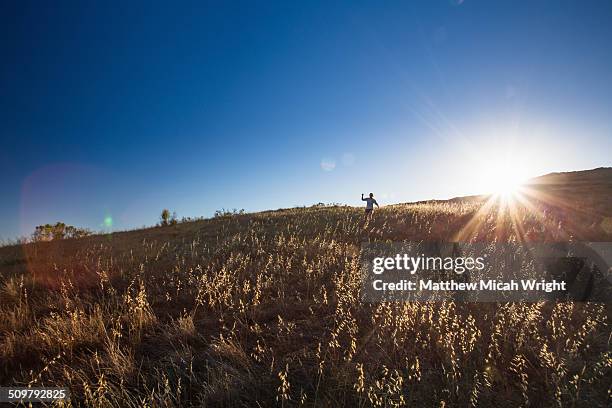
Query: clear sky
(120, 110)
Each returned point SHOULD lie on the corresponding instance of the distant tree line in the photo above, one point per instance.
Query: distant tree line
(170, 218)
(226, 213)
(60, 230)
(49, 232)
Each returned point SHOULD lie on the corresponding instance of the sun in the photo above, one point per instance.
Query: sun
(507, 183)
(504, 179)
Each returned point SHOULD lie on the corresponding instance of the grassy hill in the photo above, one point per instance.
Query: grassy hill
(265, 308)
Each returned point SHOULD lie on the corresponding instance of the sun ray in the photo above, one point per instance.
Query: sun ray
(475, 223)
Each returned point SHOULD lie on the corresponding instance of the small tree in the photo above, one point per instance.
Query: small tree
(165, 217)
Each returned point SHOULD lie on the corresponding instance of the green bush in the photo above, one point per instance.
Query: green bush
(58, 231)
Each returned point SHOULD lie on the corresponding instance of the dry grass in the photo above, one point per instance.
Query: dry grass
(264, 309)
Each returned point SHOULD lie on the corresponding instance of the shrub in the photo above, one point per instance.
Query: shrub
(168, 219)
(60, 230)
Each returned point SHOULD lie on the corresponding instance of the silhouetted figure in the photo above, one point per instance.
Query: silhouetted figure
(370, 201)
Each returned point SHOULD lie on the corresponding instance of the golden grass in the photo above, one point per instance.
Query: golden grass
(264, 309)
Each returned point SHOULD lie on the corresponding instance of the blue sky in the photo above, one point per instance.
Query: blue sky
(120, 110)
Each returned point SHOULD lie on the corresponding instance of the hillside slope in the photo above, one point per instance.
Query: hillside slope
(583, 191)
(568, 189)
(265, 309)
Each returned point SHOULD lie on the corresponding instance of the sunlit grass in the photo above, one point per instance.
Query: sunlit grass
(265, 308)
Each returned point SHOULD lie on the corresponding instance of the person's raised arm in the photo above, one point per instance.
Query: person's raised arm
(362, 199)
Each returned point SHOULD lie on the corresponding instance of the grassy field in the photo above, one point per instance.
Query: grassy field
(263, 309)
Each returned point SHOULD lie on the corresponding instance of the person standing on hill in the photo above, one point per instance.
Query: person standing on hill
(370, 201)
